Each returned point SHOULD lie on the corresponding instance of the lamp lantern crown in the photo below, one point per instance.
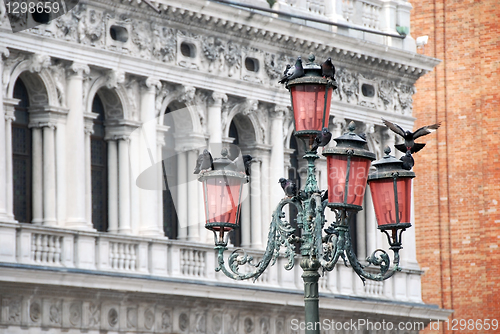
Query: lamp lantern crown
(311, 96)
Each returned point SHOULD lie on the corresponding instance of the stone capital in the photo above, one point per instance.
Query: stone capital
(89, 129)
(219, 98)
(79, 69)
(151, 83)
(4, 52)
(278, 111)
(38, 125)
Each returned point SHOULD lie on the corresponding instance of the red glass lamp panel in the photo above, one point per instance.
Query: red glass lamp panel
(337, 172)
(384, 201)
(222, 197)
(309, 106)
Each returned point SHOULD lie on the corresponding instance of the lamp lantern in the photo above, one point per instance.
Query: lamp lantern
(311, 97)
(222, 189)
(347, 165)
(390, 186)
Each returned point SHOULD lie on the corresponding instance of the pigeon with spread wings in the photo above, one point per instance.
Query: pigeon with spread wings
(410, 137)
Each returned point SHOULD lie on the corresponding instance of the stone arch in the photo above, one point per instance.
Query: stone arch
(110, 98)
(246, 129)
(189, 109)
(41, 86)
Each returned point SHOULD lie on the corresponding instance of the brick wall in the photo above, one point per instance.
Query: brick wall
(457, 189)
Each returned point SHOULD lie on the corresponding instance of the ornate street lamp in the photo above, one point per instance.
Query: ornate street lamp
(222, 190)
(348, 166)
(390, 186)
(311, 97)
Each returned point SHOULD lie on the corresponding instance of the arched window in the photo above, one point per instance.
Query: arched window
(21, 156)
(170, 221)
(236, 233)
(99, 169)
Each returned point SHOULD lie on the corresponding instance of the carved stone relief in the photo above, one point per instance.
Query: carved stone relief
(112, 317)
(149, 318)
(75, 313)
(165, 321)
(35, 311)
(183, 321)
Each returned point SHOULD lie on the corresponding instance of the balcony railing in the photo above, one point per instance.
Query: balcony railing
(370, 15)
(92, 252)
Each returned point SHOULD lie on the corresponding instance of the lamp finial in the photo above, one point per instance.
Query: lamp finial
(311, 58)
(352, 126)
(387, 150)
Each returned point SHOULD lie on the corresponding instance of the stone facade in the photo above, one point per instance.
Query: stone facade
(149, 87)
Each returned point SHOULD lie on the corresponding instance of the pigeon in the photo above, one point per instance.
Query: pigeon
(289, 187)
(410, 136)
(204, 163)
(247, 160)
(328, 70)
(407, 160)
(287, 68)
(293, 72)
(322, 139)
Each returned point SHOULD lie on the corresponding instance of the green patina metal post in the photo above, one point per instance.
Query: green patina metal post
(311, 294)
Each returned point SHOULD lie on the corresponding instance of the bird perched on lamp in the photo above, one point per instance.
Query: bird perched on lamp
(204, 163)
(410, 137)
(322, 139)
(289, 187)
(293, 72)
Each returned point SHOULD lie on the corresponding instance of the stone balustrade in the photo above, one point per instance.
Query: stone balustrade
(379, 15)
(105, 253)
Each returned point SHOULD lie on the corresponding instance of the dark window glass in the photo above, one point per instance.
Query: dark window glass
(235, 235)
(188, 50)
(170, 221)
(99, 169)
(21, 156)
(252, 64)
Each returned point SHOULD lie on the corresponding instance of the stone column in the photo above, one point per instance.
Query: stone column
(112, 186)
(61, 172)
(9, 177)
(182, 195)
(214, 117)
(75, 148)
(9, 186)
(267, 206)
(370, 223)
(124, 213)
(49, 176)
(37, 163)
(246, 220)
(192, 196)
(89, 130)
(148, 198)
(255, 204)
(277, 153)
(3, 148)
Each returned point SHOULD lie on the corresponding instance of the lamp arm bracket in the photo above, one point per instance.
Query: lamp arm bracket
(378, 258)
(280, 234)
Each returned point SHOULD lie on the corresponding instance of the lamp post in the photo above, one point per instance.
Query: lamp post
(348, 172)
